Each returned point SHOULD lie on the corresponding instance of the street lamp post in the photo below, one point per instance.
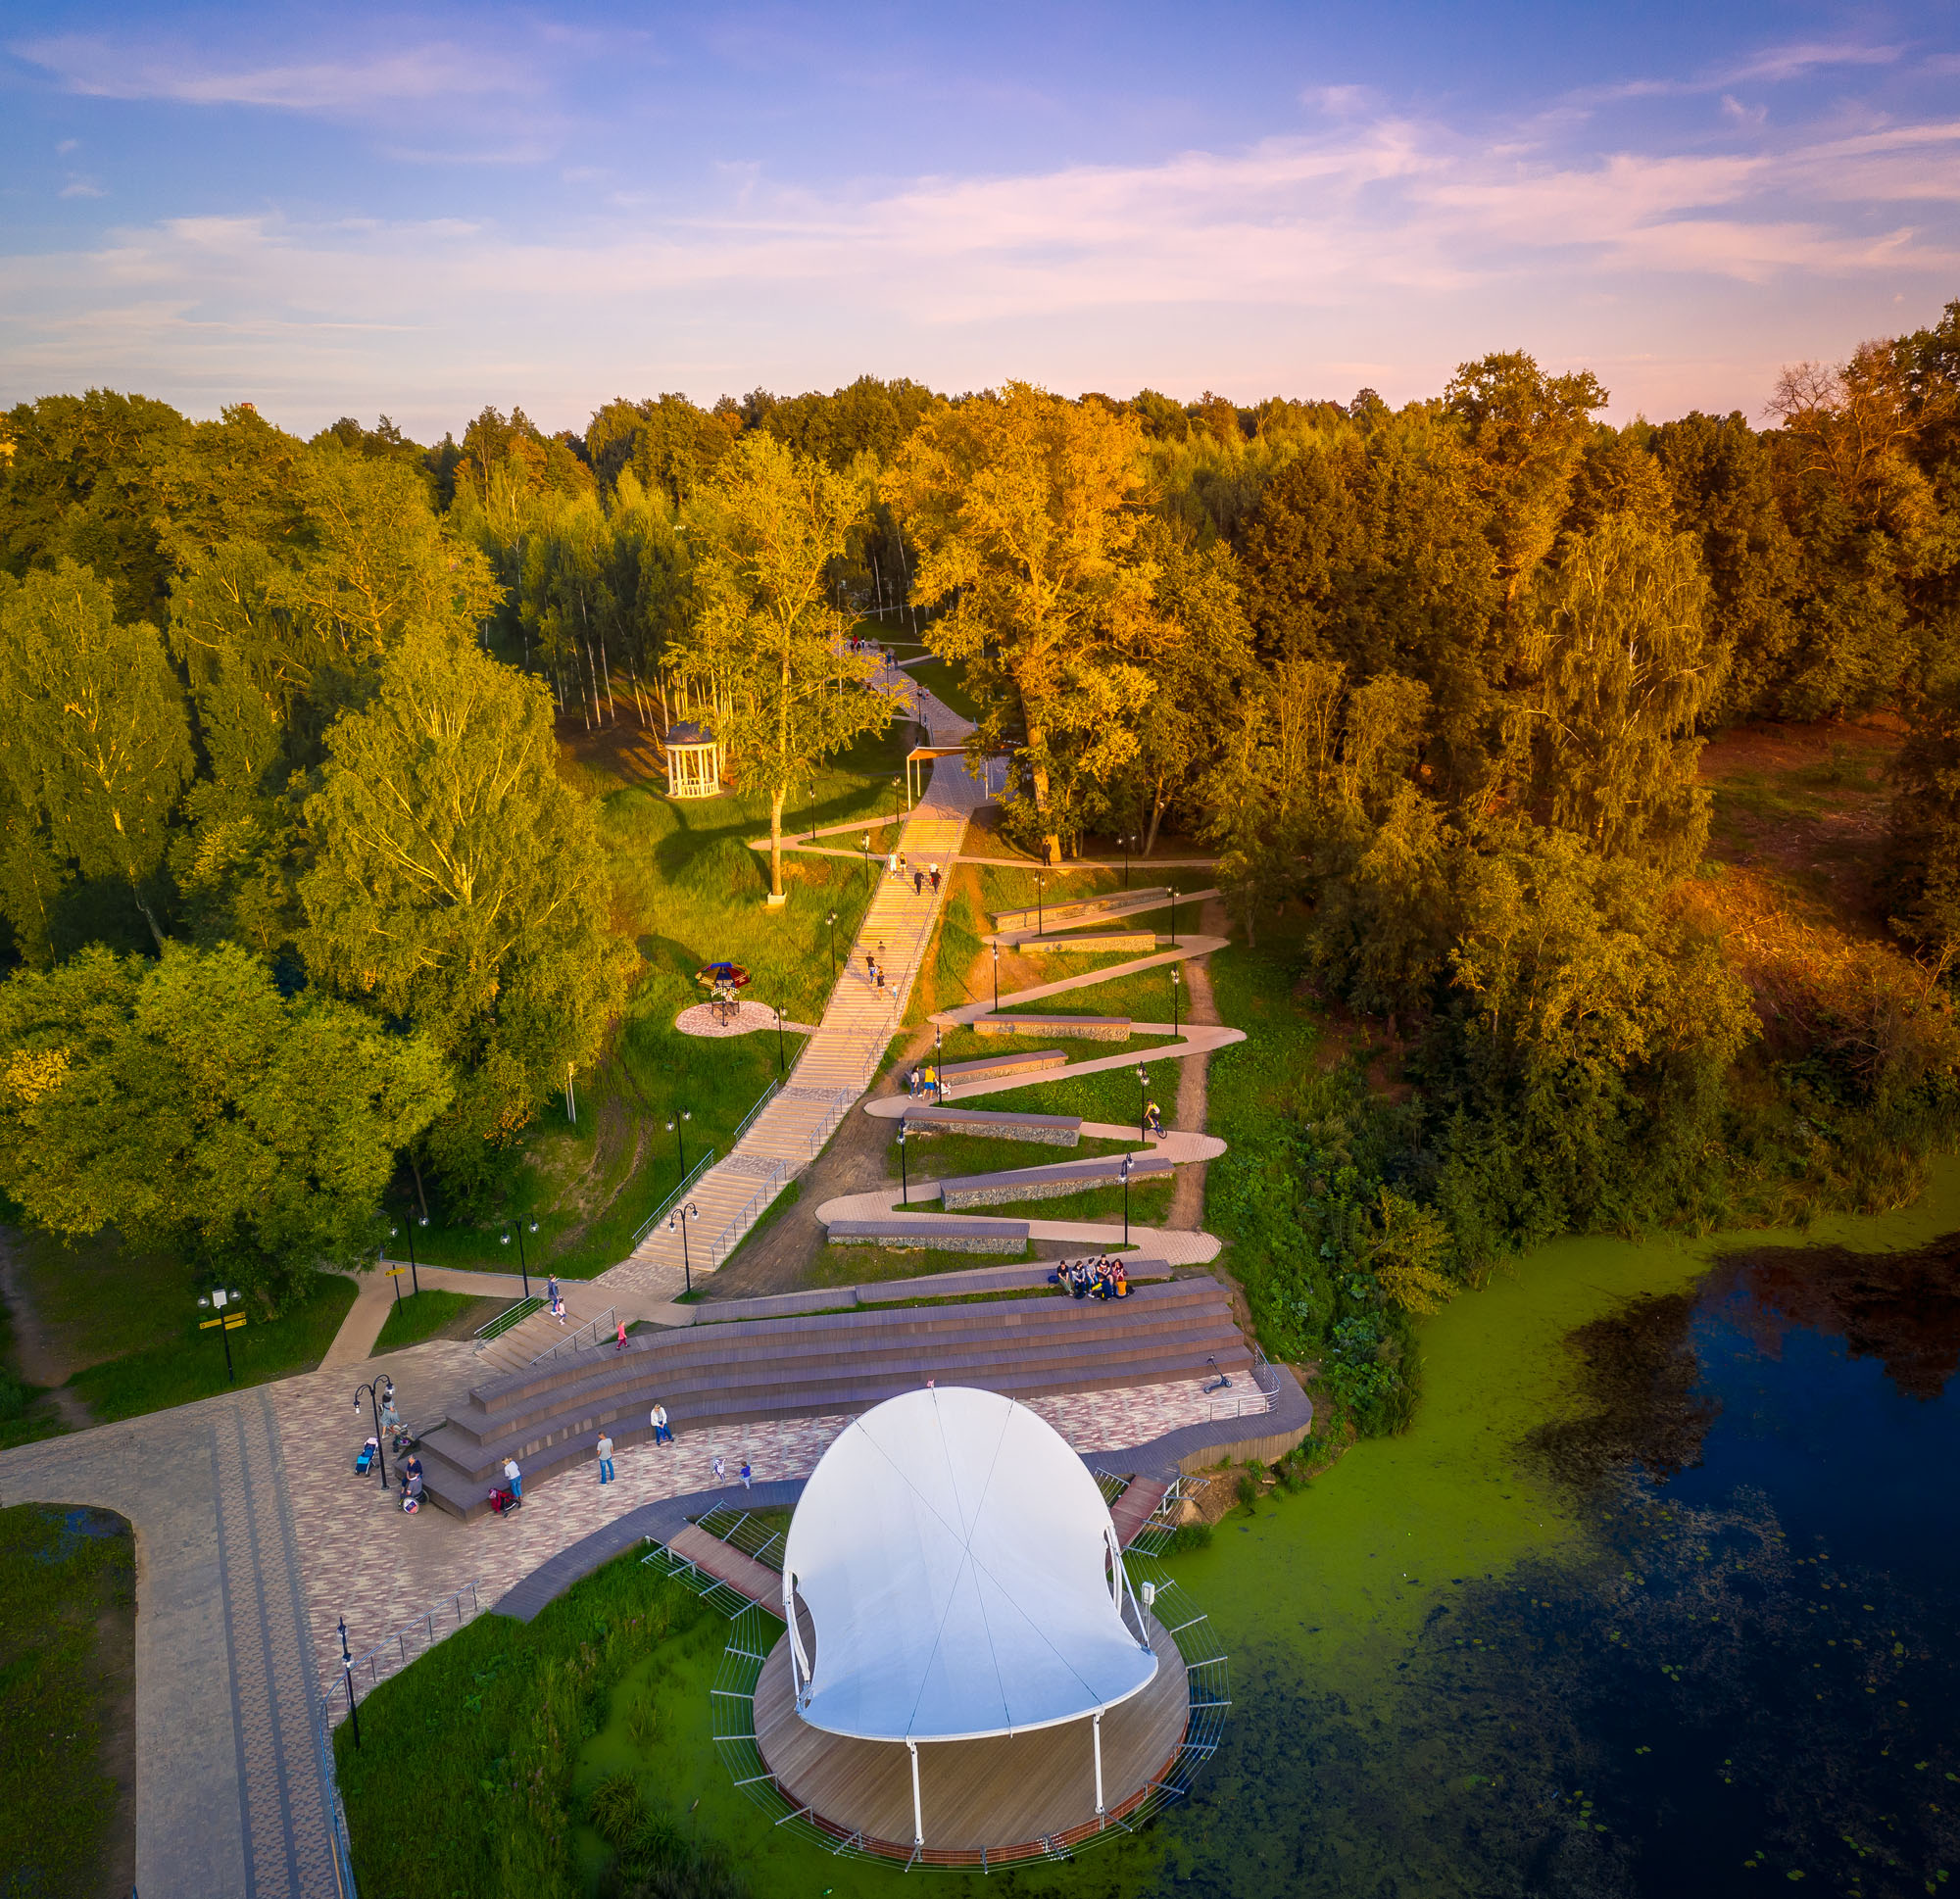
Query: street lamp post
(1040, 922)
(895, 815)
(865, 845)
(1143, 1102)
(779, 1041)
(1124, 1172)
(347, 1669)
(380, 1442)
(1173, 916)
(832, 927)
(214, 1301)
(904, 1180)
(1128, 840)
(523, 1264)
(1173, 998)
(680, 1144)
(680, 1219)
(997, 979)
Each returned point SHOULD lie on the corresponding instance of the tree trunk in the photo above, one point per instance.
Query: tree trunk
(1037, 778)
(606, 666)
(149, 916)
(777, 840)
(1156, 818)
(421, 1196)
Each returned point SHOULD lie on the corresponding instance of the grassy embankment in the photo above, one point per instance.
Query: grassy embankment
(688, 890)
(434, 1314)
(67, 1660)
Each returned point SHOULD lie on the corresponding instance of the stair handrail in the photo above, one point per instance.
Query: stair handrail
(510, 1315)
(667, 1205)
(598, 1328)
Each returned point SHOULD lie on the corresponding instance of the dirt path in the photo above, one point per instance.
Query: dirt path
(1186, 1200)
(41, 1363)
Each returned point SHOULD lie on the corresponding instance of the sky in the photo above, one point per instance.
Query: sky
(337, 209)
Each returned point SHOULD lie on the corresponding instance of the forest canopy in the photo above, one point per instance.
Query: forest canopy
(278, 725)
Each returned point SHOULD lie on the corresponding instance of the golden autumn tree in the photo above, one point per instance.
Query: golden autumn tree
(1026, 512)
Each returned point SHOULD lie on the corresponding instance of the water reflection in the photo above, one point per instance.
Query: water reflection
(1747, 1678)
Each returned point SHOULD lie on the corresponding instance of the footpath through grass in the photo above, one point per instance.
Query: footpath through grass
(68, 1661)
(191, 1364)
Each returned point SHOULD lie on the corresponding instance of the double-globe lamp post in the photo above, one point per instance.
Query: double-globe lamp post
(380, 1442)
(675, 1125)
(678, 1219)
(1123, 1173)
(523, 1264)
(1143, 1100)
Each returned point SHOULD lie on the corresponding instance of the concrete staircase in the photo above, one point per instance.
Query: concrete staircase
(838, 1062)
(825, 1364)
(585, 1305)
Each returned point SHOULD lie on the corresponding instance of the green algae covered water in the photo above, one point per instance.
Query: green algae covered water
(1657, 1598)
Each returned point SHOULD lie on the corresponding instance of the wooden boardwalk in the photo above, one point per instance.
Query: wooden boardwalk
(839, 1060)
(1003, 1795)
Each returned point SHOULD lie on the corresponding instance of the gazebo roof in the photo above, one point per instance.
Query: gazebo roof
(963, 1576)
(687, 732)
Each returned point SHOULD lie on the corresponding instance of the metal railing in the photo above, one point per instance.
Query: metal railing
(744, 1531)
(762, 1101)
(669, 1204)
(336, 1812)
(511, 1315)
(598, 1329)
(391, 1655)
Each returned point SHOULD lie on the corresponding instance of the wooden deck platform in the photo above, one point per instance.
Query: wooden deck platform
(1003, 1795)
(727, 1564)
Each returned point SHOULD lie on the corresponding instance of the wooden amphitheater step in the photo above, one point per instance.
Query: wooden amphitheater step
(1049, 1181)
(824, 1365)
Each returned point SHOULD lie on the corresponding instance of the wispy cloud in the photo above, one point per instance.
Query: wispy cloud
(105, 69)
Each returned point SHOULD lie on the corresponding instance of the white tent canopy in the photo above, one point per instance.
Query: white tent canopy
(962, 1576)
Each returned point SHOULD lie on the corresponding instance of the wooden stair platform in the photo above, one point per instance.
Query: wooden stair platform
(726, 1564)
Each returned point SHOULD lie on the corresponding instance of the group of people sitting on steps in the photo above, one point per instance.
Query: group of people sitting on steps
(1102, 1278)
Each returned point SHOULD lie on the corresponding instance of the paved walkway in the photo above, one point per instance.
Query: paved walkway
(839, 1060)
(231, 1798)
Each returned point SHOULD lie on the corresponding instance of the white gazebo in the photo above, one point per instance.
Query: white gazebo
(961, 1581)
(694, 761)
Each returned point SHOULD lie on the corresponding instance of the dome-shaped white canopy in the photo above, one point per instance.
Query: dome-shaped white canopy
(962, 1576)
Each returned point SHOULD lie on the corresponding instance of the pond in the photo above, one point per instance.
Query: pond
(1657, 1598)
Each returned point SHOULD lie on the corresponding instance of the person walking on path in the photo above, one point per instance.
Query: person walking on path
(605, 1458)
(870, 967)
(892, 862)
(748, 1475)
(933, 875)
(880, 974)
(662, 1431)
(512, 1475)
(720, 1469)
(620, 1346)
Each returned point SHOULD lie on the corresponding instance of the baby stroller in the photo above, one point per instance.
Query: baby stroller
(366, 1461)
(503, 1502)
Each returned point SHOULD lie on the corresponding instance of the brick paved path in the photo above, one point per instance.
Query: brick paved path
(231, 1801)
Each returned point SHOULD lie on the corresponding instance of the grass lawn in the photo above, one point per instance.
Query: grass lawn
(98, 1298)
(68, 1665)
(1111, 1096)
(864, 1265)
(191, 1365)
(941, 1156)
(26, 1415)
(1144, 996)
(434, 1314)
(947, 682)
(1002, 889)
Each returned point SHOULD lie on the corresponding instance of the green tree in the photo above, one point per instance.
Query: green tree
(94, 743)
(189, 1101)
(763, 535)
(1026, 511)
(1526, 431)
(1622, 671)
(459, 885)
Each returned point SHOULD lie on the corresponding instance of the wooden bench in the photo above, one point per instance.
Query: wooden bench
(1051, 1130)
(1048, 1183)
(1091, 1028)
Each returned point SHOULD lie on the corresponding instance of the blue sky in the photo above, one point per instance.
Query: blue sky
(340, 210)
